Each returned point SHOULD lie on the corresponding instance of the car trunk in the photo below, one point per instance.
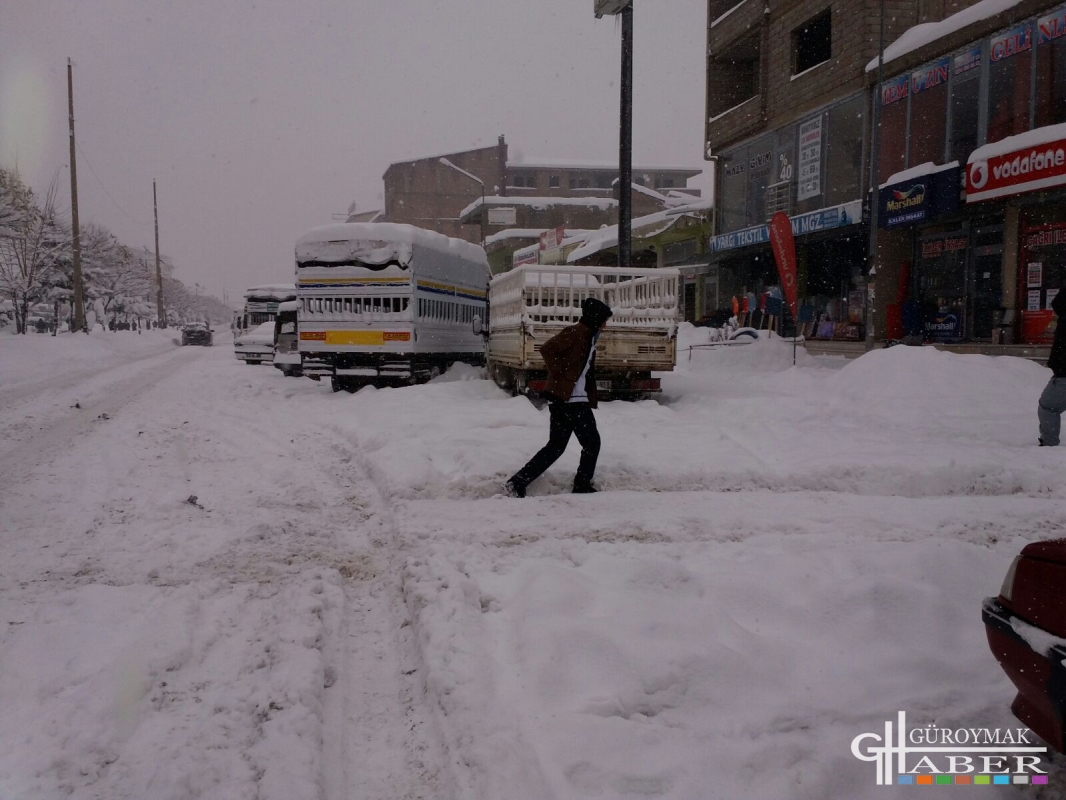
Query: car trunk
(1038, 596)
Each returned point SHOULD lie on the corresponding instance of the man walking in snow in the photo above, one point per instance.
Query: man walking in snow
(1053, 400)
(570, 357)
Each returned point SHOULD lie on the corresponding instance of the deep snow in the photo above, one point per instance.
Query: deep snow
(216, 581)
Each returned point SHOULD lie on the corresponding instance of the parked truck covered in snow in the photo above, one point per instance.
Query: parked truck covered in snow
(385, 303)
(532, 303)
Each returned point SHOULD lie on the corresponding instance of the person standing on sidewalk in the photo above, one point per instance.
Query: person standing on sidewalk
(1053, 400)
(570, 357)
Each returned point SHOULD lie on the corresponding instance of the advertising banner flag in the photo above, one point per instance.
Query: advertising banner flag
(784, 246)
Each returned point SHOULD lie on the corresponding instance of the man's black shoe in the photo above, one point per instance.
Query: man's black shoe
(514, 489)
(585, 488)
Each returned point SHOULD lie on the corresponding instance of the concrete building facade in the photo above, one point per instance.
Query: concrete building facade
(787, 126)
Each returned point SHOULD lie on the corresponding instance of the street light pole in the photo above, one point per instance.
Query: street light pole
(625, 126)
(625, 144)
(875, 193)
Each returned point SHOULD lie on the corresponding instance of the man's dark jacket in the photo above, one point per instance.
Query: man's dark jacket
(1057, 361)
(566, 354)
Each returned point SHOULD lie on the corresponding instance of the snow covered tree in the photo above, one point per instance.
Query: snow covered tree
(32, 244)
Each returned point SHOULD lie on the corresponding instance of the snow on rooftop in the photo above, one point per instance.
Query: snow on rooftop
(539, 203)
(919, 171)
(921, 35)
(734, 108)
(529, 233)
(607, 237)
(1022, 141)
(549, 163)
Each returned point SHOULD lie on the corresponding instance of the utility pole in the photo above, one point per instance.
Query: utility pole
(158, 269)
(625, 126)
(875, 191)
(79, 295)
(625, 143)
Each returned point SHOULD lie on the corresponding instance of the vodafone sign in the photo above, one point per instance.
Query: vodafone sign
(1018, 171)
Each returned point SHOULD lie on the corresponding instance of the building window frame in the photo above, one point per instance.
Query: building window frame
(812, 42)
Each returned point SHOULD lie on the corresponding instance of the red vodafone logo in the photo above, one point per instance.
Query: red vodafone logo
(1024, 170)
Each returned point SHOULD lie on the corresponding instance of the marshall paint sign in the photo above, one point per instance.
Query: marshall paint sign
(922, 198)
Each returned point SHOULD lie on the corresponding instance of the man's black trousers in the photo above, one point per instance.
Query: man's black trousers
(566, 419)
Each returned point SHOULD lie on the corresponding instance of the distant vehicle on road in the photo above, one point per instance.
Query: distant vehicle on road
(196, 333)
(1026, 629)
(287, 340)
(387, 304)
(261, 305)
(257, 345)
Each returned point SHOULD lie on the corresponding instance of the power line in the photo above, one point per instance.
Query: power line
(112, 199)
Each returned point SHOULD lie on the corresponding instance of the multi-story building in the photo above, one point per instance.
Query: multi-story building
(476, 194)
(980, 97)
(787, 126)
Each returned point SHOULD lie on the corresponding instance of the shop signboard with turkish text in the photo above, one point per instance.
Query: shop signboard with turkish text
(1051, 27)
(525, 255)
(1016, 40)
(1029, 169)
(821, 220)
(895, 90)
(918, 199)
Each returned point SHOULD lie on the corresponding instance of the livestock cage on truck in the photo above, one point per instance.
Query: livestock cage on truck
(387, 304)
(531, 303)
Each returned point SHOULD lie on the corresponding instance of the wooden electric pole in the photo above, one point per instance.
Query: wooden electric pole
(79, 294)
(158, 269)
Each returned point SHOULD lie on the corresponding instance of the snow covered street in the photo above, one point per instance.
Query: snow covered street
(218, 582)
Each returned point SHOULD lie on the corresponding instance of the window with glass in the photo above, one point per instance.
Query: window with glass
(843, 171)
(733, 197)
(893, 152)
(929, 110)
(1051, 69)
(1009, 73)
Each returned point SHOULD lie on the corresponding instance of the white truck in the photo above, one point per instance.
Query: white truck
(531, 303)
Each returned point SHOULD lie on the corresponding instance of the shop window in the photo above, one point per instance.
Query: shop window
(553, 182)
(1008, 84)
(893, 153)
(844, 152)
(732, 200)
(812, 43)
(929, 113)
(965, 122)
(1050, 80)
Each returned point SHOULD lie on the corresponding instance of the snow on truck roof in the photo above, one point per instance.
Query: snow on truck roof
(378, 243)
(289, 305)
(272, 291)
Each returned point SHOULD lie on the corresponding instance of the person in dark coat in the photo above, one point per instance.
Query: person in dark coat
(1053, 400)
(570, 357)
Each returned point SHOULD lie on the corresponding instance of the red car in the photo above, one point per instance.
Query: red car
(1026, 627)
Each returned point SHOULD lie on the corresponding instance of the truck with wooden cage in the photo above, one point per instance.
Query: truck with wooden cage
(531, 303)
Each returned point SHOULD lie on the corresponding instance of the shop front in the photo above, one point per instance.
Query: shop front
(830, 252)
(1021, 181)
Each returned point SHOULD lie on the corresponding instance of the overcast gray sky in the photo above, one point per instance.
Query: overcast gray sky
(261, 119)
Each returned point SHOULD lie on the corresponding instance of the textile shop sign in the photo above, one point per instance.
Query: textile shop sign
(1028, 170)
(821, 220)
(918, 199)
